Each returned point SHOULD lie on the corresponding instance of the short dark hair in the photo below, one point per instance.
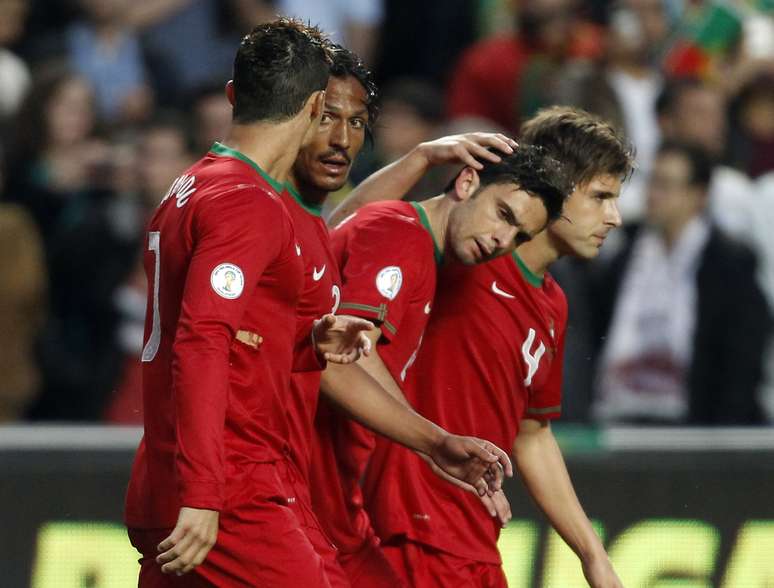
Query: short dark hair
(699, 160)
(585, 144)
(277, 67)
(530, 168)
(346, 63)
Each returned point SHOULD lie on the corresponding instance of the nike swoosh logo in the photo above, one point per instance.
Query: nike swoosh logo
(298, 249)
(317, 275)
(427, 308)
(497, 290)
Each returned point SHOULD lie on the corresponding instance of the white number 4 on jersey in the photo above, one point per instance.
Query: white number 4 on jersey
(531, 359)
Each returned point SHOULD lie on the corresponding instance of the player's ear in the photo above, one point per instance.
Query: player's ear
(315, 103)
(466, 184)
(230, 92)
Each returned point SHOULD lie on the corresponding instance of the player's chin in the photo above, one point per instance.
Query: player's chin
(330, 183)
(587, 250)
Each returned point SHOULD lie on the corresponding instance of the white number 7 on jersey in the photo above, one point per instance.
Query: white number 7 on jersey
(532, 361)
(152, 346)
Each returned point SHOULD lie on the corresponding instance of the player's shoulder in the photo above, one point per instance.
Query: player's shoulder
(226, 183)
(555, 294)
(396, 216)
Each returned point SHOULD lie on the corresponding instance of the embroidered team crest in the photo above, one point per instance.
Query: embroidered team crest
(388, 281)
(228, 280)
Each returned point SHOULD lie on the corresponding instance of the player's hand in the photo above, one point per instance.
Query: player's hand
(599, 572)
(190, 541)
(474, 461)
(341, 338)
(468, 149)
(498, 506)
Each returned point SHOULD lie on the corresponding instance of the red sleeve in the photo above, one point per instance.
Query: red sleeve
(546, 403)
(381, 269)
(305, 356)
(240, 229)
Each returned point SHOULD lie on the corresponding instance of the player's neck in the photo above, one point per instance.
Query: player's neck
(437, 210)
(309, 194)
(272, 146)
(539, 253)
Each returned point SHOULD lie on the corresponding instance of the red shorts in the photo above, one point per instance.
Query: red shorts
(421, 566)
(369, 568)
(300, 502)
(261, 541)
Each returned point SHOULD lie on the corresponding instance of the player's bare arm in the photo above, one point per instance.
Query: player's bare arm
(496, 504)
(354, 390)
(540, 463)
(395, 180)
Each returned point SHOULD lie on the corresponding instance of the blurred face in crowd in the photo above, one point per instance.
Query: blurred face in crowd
(699, 117)
(589, 214)
(13, 14)
(105, 11)
(70, 113)
(324, 164)
(672, 200)
(637, 29)
(213, 119)
(652, 18)
(491, 221)
(548, 22)
(402, 129)
(757, 114)
(163, 155)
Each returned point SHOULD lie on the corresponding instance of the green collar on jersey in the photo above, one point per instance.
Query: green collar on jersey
(315, 209)
(426, 223)
(532, 278)
(220, 149)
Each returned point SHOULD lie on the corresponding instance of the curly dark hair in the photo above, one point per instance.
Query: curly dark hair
(277, 67)
(532, 170)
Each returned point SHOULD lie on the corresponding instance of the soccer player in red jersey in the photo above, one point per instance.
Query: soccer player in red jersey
(321, 166)
(388, 255)
(221, 334)
(491, 361)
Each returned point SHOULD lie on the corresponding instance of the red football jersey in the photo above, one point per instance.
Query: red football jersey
(491, 356)
(321, 295)
(224, 274)
(388, 259)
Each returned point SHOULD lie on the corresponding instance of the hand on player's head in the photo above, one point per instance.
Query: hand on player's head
(468, 149)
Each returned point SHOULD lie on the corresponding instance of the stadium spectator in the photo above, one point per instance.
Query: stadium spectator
(623, 86)
(191, 43)
(14, 73)
(211, 115)
(52, 153)
(680, 314)
(355, 25)
(22, 308)
(507, 78)
(695, 112)
(105, 50)
(752, 126)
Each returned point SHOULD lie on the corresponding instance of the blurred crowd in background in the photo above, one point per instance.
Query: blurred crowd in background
(104, 102)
